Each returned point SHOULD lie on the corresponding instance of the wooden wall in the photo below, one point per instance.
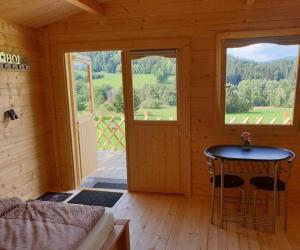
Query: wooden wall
(197, 20)
(24, 149)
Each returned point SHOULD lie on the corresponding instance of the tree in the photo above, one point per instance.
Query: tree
(118, 102)
(101, 93)
(136, 101)
(235, 103)
(238, 69)
(151, 104)
(161, 76)
(169, 98)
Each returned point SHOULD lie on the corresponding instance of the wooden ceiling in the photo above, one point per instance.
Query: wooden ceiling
(36, 13)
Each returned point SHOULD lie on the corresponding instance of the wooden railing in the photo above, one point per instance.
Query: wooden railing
(260, 119)
(111, 130)
(110, 133)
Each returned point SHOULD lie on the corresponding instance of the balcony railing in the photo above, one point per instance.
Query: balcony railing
(111, 130)
(260, 120)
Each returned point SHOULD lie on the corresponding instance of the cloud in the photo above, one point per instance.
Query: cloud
(263, 52)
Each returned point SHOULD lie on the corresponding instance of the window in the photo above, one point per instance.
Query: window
(154, 85)
(260, 81)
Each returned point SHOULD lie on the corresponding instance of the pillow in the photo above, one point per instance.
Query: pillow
(6, 205)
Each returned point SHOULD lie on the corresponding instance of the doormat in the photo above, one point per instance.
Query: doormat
(111, 183)
(54, 196)
(96, 198)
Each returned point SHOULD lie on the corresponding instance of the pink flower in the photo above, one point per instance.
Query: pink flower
(246, 137)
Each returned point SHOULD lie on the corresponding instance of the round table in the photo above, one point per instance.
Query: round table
(254, 153)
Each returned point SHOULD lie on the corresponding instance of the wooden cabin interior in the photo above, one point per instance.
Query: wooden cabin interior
(169, 192)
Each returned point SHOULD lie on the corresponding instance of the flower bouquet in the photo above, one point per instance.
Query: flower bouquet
(246, 138)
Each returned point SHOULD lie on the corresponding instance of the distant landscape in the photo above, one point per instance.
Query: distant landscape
(253, 89)
(260, 89)
(154, 84)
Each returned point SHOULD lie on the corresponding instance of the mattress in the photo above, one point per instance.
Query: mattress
(98, 235)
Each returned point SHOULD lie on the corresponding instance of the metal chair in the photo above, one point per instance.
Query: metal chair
(230, 181)
(266, 183)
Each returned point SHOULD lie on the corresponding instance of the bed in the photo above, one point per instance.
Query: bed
(51, 225)
(108, 233)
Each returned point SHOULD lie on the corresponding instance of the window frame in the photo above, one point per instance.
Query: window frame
(75, 57)
(227, 40)
(167, 53)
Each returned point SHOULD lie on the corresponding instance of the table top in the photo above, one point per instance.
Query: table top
(255, 153)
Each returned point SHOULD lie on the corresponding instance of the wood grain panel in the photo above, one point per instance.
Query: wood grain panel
(36, 13)
(174, 222)
(87, 144)
(25, 152)
(155, 145)
(199, 22)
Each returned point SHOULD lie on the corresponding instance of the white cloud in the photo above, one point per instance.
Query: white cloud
(262, 52)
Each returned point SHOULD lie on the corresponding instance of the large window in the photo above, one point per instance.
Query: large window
(260, 82)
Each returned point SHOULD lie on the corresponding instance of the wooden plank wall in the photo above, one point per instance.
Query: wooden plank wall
(197, 20)
(24, 161)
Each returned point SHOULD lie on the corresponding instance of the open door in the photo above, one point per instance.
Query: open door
(157, 126)
(80, 70)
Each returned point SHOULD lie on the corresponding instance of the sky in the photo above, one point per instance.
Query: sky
(263, 52)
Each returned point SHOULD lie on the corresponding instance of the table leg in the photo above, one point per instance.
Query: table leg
(275, 196)
(222, 193)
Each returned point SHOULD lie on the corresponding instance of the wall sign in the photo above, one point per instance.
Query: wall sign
(12, 62)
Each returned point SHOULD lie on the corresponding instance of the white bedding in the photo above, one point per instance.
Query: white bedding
(99, 233)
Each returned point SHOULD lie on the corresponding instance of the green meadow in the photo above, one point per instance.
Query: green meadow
(268, 113)
(115, 80)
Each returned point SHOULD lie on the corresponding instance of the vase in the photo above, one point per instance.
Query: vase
(247, 145)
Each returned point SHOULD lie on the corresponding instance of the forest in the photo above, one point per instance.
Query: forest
(252, 84)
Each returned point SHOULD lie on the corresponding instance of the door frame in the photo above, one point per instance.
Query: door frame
(181, 121)
(181, 44)
(69, 59)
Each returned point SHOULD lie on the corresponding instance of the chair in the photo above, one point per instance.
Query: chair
(266, 183)
(230, 181)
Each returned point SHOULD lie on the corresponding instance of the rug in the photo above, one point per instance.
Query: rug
(96, 198)
(111, 183)
(54, 196)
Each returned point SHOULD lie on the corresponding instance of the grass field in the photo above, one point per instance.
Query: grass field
(164, 113)
(115, 80)
(139, 81)
(267, 113)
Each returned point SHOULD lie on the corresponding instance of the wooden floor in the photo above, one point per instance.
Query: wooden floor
(111, 164)
(175, 222)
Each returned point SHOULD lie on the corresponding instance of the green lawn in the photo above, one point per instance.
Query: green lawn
(267, 113)
(139, 80)
(164, 113)
(115, 80)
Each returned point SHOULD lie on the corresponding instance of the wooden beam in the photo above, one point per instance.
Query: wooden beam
(91, 6)
(250, 2)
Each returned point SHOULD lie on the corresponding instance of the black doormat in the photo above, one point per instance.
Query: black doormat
(96, 198)
(111, 183)
(54, 196)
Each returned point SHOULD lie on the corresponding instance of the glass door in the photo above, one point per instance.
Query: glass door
(153, 123)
